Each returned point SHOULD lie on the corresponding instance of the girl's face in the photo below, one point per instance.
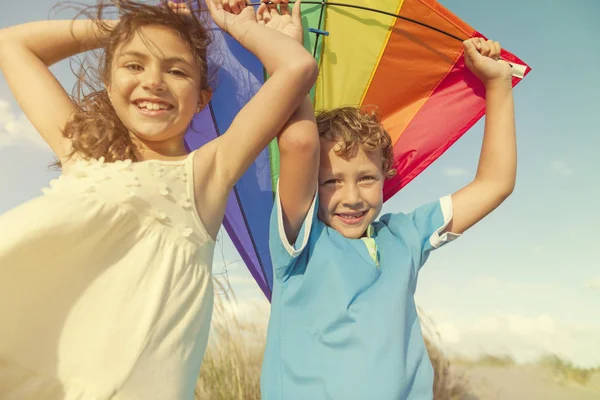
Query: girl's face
(155, 85)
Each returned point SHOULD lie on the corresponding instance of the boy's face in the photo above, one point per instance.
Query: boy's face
(350, 191)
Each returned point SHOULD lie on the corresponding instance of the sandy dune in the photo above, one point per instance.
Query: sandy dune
(524, 383)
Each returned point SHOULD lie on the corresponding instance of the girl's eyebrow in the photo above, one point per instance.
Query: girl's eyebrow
(171, 60)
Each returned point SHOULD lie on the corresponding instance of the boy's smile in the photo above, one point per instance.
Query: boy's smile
(350, 190)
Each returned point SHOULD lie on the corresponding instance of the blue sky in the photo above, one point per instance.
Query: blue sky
(526, 279)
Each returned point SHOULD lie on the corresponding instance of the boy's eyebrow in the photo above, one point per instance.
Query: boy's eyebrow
(367, 172)
(138, 54)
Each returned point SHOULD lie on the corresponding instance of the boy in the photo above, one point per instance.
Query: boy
(344, 323)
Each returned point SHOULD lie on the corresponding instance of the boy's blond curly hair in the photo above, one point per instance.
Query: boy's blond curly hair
(355, 128)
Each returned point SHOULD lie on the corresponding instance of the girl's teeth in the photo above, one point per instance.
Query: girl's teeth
(152, 106)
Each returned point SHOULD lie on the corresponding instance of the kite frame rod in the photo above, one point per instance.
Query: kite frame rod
(330, 3)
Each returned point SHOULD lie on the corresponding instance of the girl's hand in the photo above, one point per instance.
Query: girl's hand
(236, 24)
(179, 8)
(284, 21)
(232, 6)
(483, 59)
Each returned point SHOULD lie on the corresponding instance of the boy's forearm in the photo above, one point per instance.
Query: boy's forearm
(53, 41)
(498, 160)
(299, 166)
(304, 112)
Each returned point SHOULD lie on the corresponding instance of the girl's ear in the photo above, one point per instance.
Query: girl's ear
(205, 96)
(107, 86)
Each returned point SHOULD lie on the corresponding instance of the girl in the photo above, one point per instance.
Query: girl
(105, 281)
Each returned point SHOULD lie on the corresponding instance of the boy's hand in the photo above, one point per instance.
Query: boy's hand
(284, 21)
(483, 59)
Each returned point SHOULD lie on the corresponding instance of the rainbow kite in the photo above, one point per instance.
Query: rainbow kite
(403, 56)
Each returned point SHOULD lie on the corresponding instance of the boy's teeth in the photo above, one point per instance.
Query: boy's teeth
(348, 216)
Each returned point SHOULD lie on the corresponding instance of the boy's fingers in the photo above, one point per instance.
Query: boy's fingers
(498, 49)
(470, 49)
(260, 13)
(485, 49)
(267, 15)
(233, 7)
(297, 11)
(285, 8)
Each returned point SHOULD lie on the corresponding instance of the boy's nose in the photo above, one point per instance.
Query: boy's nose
(352, 196)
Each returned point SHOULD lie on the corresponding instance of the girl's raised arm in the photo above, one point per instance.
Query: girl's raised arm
(26, 52)
(292, 72)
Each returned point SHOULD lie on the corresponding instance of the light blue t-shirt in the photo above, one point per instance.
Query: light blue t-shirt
(342, 327)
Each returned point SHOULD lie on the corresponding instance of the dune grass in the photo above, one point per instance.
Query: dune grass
(232, 363)
(565, 370)
(495, 360)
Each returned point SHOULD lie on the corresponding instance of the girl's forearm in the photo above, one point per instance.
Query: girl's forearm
(274, 49)
(53, 41)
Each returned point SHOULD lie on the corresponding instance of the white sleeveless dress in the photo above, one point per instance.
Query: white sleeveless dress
(105, 285)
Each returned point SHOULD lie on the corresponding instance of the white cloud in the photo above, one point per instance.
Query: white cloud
(454, 171)
(15, 128)
(524, 337)
(562, 168)
(492, 283)
(593, 283)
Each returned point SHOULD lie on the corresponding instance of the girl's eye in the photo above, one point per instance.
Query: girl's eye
(331, 182)
(177, 72)
(134, 67)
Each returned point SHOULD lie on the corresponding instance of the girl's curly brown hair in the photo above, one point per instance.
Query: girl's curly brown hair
(94, 129)
(355, 128)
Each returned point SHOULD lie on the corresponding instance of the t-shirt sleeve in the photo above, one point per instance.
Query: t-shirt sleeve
(285, 255)
(424, 229)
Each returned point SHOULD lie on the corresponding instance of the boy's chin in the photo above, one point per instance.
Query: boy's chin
(352, 232)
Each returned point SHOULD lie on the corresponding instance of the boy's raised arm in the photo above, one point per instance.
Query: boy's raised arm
(496, 172)
(299, 168)
(298, 140)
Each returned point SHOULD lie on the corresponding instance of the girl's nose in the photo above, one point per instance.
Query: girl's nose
(153, 81)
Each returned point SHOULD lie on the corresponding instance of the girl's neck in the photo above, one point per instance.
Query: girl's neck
(165, 150)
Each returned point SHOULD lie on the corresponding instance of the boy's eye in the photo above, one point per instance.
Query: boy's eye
(367, 178)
